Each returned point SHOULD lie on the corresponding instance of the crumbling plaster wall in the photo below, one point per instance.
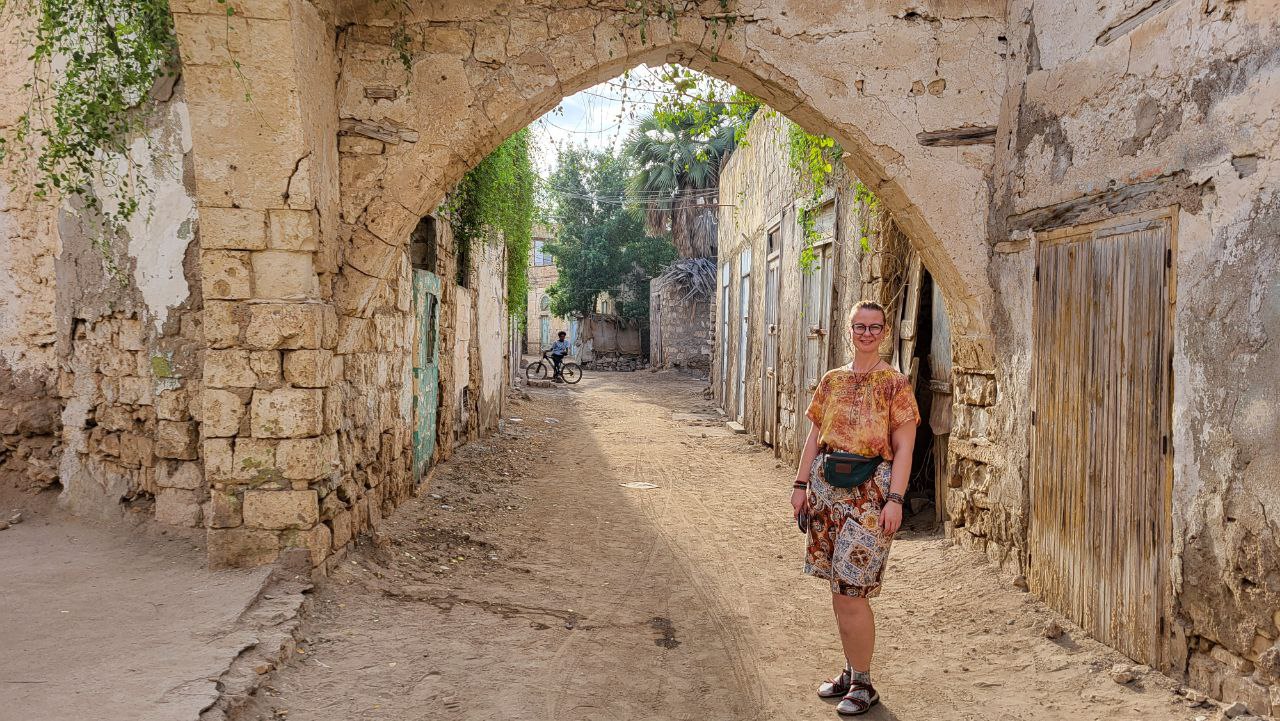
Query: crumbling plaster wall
(29, 409)
(1118, 108)
(99, 349)
(129, 339)
(491, 333)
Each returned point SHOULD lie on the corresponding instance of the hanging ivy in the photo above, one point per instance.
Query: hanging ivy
(810, 157)
(497, 197)
(94, 63)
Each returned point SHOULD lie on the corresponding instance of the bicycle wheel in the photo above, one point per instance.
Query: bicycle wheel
(536, 371)
(571, 372)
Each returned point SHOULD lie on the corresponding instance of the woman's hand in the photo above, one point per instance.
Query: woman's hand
(891, 517)
(799, 499)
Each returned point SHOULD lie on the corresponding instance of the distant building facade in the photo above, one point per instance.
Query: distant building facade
(542, 326)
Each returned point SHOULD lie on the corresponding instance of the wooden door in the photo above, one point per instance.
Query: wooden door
(769, 368)
(656, 356)
(1100, 458)
(426, 369)
(904, 348)
(744, 313)
(725, 286)
(816, 316)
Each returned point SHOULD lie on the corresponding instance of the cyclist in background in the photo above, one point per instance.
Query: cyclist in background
(559, 350)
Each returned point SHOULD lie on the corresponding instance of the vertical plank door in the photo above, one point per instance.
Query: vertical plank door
(1100, 464)
(816, 295)
(769, 369)
(426, 369)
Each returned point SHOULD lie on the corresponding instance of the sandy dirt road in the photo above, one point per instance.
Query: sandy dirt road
(525, 582)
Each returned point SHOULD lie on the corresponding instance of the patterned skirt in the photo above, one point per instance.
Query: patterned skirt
(846, 545)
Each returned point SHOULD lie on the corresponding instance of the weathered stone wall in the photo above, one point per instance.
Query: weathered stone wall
(685, 331)
(29, 409)
(1121, 108)
(762, 193)
(483, 70)
(279, 427)
(100, 348)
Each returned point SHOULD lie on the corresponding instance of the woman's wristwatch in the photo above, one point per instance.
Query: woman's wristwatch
(895, 497)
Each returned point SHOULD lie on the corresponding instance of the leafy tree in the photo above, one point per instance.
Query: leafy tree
(677, 151)
(599, 246)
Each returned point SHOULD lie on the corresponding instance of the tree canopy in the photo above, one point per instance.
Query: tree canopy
(677, 151)
(599, 245)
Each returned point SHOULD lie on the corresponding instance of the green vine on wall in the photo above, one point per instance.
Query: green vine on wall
(810, 157)
(497, 196)
(863, 196)
(94, 63)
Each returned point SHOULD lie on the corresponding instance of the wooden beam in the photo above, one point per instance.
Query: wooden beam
(958, 136)
(1152, 9)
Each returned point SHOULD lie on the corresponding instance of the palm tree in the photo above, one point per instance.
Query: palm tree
(677, 177)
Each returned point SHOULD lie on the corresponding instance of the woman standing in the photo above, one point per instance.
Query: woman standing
(852, 504)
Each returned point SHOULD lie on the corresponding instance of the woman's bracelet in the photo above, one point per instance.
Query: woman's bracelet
(800, 484)
(895, 497)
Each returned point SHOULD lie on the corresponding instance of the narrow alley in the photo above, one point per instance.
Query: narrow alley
(529, 580)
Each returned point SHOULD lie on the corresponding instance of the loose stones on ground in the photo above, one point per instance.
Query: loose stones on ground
(14, 520)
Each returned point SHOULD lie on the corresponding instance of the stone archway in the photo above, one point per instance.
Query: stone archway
(309, 191)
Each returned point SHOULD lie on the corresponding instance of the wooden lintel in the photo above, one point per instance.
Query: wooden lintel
(381, 92)
(958, 136)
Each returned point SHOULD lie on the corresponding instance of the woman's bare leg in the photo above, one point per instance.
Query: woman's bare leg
(857, 625)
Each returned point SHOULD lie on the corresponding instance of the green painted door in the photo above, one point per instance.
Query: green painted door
(426, 369)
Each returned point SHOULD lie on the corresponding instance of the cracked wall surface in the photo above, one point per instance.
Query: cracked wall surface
(253, 373)
(1126, 107)
(100, 338)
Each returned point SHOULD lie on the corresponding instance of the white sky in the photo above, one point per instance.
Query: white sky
(590, 118)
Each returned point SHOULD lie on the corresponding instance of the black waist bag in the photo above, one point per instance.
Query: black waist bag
(848, 470)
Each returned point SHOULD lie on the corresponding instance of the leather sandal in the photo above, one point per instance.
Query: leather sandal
(837, 686)
(852, 705)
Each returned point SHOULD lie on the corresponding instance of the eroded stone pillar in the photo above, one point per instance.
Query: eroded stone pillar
(265, 153)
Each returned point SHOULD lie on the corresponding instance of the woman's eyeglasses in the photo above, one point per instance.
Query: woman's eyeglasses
(864, 329)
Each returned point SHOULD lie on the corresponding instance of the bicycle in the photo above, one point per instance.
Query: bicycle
(569, 372)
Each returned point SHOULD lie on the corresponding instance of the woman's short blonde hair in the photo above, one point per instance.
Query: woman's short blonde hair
(868, 305)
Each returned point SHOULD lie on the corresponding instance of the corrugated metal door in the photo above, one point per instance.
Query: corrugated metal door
(1100, 463)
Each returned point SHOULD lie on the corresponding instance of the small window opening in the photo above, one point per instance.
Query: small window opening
(422, 244)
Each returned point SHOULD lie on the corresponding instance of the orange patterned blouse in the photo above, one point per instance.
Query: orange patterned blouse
(856, 412)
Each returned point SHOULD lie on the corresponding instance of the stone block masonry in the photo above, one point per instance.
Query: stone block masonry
(273, 269)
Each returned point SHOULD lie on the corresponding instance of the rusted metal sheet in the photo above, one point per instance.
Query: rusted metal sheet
(1100, 464)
